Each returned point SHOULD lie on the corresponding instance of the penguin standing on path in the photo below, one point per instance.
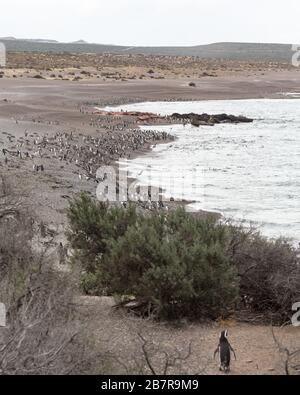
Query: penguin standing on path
(224, 349)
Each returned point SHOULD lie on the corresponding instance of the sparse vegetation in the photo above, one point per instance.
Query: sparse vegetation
(125, 66)
(269, 273)
(44, 333)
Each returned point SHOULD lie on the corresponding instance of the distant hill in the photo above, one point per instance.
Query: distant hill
(79, 42)
(7, 38)
(40, 40)
(226, 50)
(32, 40)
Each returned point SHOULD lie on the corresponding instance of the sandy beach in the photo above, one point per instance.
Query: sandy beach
(46, 108)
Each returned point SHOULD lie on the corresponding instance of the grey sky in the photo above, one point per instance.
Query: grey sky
(153, 22)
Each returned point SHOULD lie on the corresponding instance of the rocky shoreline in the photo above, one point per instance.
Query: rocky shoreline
(192, 118)
(210, 120)
(75, 127)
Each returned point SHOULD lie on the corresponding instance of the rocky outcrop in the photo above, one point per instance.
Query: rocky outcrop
(192, 118)
(210, 120)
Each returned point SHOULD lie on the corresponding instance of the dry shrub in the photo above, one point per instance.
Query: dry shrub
(269, 272)
(44, 333)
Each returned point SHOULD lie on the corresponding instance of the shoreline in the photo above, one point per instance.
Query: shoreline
(46, 107)
(283, 96)
(171, 204)
(268, 233)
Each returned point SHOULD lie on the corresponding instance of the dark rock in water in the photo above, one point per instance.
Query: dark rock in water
(241, 118)
(210, 120)
(195, 122)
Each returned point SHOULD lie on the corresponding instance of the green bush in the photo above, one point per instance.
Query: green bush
(176, 262)
(182, 265)
(181, 270)
(92, 225)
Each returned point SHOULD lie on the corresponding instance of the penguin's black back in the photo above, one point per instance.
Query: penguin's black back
(224, 352)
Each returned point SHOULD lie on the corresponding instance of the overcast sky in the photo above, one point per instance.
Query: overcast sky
(153, 22)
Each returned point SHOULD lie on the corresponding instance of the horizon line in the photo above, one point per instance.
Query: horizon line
(84, 42)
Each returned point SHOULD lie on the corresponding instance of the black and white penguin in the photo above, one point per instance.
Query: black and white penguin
(224, 349)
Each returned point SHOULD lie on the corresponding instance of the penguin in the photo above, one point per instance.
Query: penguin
(224, 349)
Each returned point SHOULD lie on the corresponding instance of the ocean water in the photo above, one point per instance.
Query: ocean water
(248, 172)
